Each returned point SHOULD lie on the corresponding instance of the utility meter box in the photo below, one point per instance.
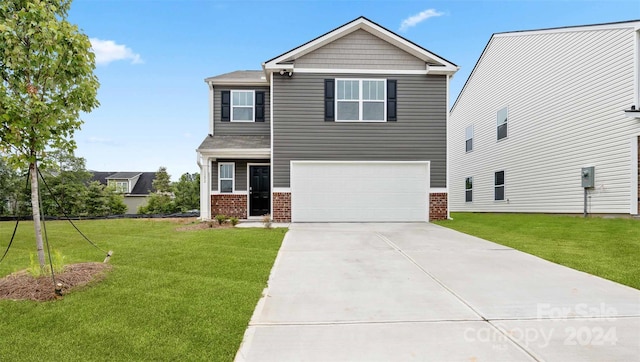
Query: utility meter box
(588, 177)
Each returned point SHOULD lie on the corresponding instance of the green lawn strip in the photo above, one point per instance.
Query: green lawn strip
(609, 248)
(170, 296)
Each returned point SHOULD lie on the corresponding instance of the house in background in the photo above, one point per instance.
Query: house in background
(350, 126)
(540, 106)
(135, 186)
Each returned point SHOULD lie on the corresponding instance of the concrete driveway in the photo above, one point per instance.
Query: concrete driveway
(421, 292)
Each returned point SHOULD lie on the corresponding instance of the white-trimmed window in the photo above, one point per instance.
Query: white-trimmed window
(361, 100)
(499, 186)
(468, 189)
(242, 105)
(502, 118)
(121, 187)
(226, 172)
(469, 139)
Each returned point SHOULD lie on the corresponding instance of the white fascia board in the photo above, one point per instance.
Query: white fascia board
(368, 26)
(240, 82)
(363, 71)
(438, 190)
(282, 189)
(237, 153)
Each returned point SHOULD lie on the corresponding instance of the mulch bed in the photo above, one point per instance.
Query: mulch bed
(23, 286)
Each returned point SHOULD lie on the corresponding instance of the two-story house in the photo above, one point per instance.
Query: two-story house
(135, 187)
(350, 126)
(540, 106)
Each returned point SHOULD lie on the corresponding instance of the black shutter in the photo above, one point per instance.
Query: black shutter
(225, 108)
(259, 106)
(392, 100)
(329, 100)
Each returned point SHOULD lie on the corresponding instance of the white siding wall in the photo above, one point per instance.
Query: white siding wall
(566, 92)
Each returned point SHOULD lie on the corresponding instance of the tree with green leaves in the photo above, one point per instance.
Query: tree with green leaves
(46, 80)
(9, 188)
(161, 201)
(67, 178)
(187, 192)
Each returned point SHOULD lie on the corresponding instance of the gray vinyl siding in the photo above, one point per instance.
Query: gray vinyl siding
(300, 132)
(360, 50)
(240, 176)
(240, 128)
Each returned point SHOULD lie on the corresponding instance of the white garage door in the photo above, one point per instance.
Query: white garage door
(355, 191)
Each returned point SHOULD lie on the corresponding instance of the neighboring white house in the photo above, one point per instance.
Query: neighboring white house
(538, 107)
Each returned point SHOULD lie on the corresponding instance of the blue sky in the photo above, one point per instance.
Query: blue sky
(153, 56)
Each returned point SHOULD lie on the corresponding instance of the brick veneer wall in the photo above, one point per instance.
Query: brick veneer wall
(438, 206)
(281, 207)
(230, 205)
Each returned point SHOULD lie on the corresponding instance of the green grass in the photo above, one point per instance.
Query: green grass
(170, 296)
(609, 248)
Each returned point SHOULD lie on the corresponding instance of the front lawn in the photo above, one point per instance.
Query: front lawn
(609, 248)
(172, 295)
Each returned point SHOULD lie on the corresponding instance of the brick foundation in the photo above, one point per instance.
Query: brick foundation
(437, 206)
(281, 207)
(230, 205)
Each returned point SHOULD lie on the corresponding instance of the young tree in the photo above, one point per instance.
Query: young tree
(162, 182)
(46, 80)
(161, 201)
(187, 191)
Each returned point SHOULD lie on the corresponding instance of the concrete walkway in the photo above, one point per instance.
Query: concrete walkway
(420, 292)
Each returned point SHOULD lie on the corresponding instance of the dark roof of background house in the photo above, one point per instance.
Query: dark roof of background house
(124, 175)
(101, 176)
(144, 186)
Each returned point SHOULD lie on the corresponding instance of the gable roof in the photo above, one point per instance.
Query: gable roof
(590, 27)
(143, 186)
(436, 64)
(123, 175)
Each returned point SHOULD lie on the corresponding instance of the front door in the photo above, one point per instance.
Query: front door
(259, 190)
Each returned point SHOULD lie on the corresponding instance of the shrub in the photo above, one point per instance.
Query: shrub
(234, 221)
(266, 220)
(221, 219)
(57, 260)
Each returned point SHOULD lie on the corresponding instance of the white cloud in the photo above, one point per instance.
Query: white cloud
(108, 51)
(414, 20)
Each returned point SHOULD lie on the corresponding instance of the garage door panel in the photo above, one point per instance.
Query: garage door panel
(359, 191)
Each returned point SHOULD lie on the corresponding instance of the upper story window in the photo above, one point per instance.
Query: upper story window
(242, 106)
(362, 100)
(121, 187)
(469, 138)
(503, 115)
(225, 177)
(499, 186)
(468, 189)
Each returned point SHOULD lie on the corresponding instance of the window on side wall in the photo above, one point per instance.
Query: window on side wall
(468, 189)
(469, 139)
(502, 118)
(225, 177)
(499, 186)
(361, 100)
(242, 105)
